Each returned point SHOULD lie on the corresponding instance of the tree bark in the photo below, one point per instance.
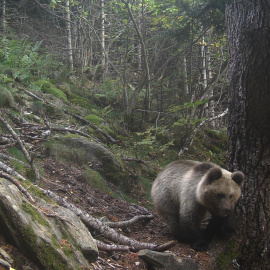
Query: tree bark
(69, 37)
(248, 26)
(4, 26)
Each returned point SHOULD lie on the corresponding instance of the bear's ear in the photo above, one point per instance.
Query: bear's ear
(238, 177)
(213, 174)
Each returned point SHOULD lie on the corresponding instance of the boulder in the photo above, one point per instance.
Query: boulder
(99, 156)
(52, 236)
(165, 260)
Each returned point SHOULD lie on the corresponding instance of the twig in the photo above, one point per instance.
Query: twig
(26, 154)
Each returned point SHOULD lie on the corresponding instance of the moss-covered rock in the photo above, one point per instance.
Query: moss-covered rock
(84, 151)
(6, 98)
(49, 88)
(58, 242)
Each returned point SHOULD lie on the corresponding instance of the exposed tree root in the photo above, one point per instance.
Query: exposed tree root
(108, 232)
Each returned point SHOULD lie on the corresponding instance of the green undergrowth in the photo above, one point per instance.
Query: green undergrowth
(49, 88)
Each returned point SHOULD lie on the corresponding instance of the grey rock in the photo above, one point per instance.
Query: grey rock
(100, 157)
(168, 261)
(50, 235)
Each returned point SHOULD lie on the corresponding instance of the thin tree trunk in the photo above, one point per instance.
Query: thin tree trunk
(146, 66)
(69, 37)
(248, 24)
(185, 75)
(4, 17)
(103, 57)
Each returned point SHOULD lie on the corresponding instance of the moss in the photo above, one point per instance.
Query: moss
(17, 153)
(61, 152)
(49, 88)
(94, 119)
(47, 256)
(146, 185)
(35, 215)
(33, 189)
(95, 180)
(6, 98)
(226, 257)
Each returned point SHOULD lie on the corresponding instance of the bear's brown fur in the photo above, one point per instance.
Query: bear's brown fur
(186, 191)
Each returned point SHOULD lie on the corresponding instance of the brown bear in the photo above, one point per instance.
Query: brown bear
(187, 191)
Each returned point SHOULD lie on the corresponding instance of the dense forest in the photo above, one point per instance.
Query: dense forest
(97, 96)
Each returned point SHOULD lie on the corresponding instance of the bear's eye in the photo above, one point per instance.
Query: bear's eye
(220, 195)
(231, 196)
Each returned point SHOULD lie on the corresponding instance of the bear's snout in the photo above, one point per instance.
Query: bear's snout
(225, 212)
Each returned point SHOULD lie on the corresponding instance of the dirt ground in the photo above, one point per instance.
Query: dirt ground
(66, 180)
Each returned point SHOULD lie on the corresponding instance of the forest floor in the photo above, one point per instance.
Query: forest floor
(65, 180)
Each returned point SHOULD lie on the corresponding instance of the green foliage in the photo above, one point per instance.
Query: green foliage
(94, 119)
(109, 92)
(230, 252)
(22, 60)
(15, 152)
(154, 142)
(49, 88)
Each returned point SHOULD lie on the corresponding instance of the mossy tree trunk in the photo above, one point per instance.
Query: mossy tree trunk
(248, 24)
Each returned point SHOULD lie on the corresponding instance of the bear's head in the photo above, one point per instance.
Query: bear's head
(219, 190)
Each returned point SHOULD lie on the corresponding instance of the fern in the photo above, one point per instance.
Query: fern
(23, 59)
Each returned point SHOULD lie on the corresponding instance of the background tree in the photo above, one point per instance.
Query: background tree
(248, 24)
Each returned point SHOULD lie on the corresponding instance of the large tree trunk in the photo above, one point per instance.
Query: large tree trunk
(248, 23)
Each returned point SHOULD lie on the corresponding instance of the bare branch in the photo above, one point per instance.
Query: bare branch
(11, 171)
(111, 247)
(122, 224)
(26, 154)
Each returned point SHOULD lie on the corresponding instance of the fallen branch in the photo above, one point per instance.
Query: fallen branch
(189, 141)
(110, 138)
(102, 228)
(130, 159)
(18, 185)
(7, 157)
(5, 264)
(69, 130)
(11, 171)
(122, 224)
(111, 247)
(26, 154)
